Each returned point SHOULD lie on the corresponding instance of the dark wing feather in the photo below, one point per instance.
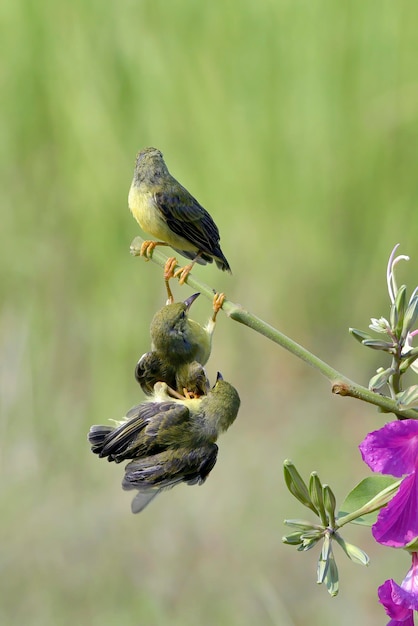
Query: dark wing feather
(187, 218)
(151, 369)
(138, 434)
(97, 436)
(167, 469)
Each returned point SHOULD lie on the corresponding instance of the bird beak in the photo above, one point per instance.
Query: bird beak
(219, 376)
(190, 300)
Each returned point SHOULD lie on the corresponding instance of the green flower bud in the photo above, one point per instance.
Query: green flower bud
(315, 491)
(380, 379)
(331, 577)
(297, 485)
(359, 335)
(323, 560)
(408, 399)
(307, 544)
(376, 344)
(294, 539)
(330, 503)
(410, 316)
(353, 552)
(398, 311)
(408, 358)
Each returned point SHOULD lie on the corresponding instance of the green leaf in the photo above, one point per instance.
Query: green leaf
(358, 497)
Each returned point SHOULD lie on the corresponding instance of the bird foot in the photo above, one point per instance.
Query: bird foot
(147, 249)
(174, 394)
(168, 275)
(169, 268)
(183, 272)
(190, 395)
(218, 300)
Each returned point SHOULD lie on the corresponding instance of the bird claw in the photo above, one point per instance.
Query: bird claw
(169, 268)
(147, 249)
(190, 395)
(168, 275)
(218, 300)
(182, 273)
(174, 394)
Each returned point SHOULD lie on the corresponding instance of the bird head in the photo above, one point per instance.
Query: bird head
(221, 405)
(171, 332)
(149, 165)
(226, 395)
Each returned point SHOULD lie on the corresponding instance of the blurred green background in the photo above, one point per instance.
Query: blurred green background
(296, 125)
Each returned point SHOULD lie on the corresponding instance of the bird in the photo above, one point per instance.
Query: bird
(165, 209)
(176, 342)
(168, 440)
(188, 379)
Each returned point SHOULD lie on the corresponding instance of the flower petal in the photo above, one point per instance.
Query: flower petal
(393, 449)
(410, 582)
(397, 523)
(389, 597)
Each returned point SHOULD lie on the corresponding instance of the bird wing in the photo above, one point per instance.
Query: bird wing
(97, 435)
(151, 369)
(153, 474)
(187, 218)
(137, 434)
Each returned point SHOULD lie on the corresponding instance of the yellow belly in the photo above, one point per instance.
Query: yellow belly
(142, 206)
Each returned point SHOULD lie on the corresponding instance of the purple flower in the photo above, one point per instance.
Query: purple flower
(401, 601)
(393, 450)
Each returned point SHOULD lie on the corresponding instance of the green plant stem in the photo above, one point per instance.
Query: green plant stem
(341, 385)
(395, 379)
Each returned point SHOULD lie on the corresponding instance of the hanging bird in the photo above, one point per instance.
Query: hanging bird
(165, 209)
(170, 440)
(177, 341)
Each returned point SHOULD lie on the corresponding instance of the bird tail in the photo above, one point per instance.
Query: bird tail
(142, 499)
(97, 437)
(221, 261)
(133, 479)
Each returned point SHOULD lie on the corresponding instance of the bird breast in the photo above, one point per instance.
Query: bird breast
(146, 212)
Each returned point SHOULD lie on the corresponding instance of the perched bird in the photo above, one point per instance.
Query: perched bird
(170, 440)
(177, 341)
(165, 209)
